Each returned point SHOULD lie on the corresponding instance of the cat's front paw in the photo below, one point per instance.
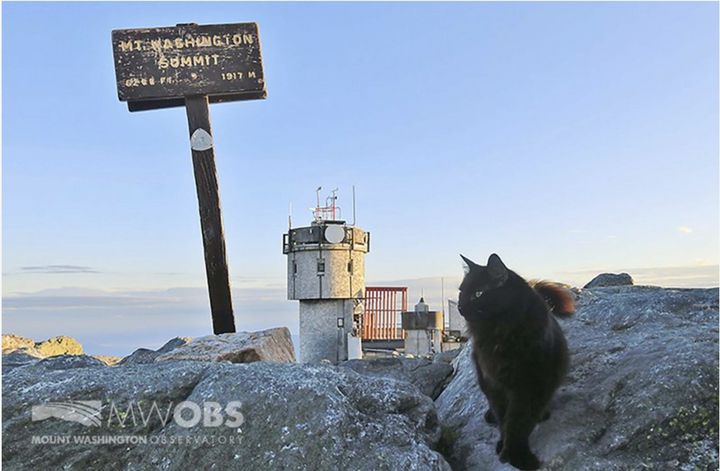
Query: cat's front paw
(526, 460)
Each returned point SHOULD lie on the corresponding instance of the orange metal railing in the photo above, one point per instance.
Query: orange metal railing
(382, 319)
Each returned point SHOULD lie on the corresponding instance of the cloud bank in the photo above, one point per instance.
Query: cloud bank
(118, 322)
(58, 269)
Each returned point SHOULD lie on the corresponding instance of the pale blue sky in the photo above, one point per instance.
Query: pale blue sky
(569, 138)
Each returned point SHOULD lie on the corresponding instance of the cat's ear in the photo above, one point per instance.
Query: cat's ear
(468, 264)
(497, 269)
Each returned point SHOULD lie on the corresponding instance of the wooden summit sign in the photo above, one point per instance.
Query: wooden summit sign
(157, 67)
(192, 65)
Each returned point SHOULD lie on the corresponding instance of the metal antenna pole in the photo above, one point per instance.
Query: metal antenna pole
(353, 205)
(290, 215)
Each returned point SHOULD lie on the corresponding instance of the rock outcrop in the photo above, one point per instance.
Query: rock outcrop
(610, 279)
(20, 351)
(65, 362)
(642, 391)
(293, 416)
(241, 347)
(108, 359)
(446, 357)
(16, 358)
(12, 342)
(60, 345)
(145, 355)
(429, 377)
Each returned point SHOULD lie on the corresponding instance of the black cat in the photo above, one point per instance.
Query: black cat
(519, 350)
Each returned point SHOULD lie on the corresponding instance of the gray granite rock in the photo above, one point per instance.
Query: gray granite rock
(19, 357)
(240, 347)
(610, 279)
(145, 355)
(172, 344)
(642, 391)
(294, 417)
(427, 376)
(66, 362)
(446, 357)
(58, 362)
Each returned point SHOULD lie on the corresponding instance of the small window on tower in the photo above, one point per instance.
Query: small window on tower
(294, 268)
(350, 266)
(321, 266)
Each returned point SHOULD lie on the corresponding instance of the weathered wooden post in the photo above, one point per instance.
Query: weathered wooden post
(192, 65)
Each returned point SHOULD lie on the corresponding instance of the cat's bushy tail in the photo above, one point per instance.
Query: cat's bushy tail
(558, 297)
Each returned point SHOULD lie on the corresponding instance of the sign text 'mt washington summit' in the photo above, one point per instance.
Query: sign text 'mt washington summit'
(170, 62)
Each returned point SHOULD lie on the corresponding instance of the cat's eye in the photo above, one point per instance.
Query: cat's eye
(477, 294)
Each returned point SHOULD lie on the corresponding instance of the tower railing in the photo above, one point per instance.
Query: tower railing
(383, 308)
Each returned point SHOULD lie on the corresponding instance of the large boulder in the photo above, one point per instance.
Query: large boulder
(241, 347)
(67, 362)
(18, 359)
(642, 391)
(140, 356)
(144, 355)
(174, 343)
(292, 416)
(429, 377)
(610, 279)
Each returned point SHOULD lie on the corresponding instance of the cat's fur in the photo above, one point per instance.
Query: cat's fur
(519, 350)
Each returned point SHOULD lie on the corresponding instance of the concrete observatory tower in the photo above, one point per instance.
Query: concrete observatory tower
(326, 273)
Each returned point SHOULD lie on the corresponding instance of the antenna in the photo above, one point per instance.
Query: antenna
(353, 205)
(290, 215)
(330, 202)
